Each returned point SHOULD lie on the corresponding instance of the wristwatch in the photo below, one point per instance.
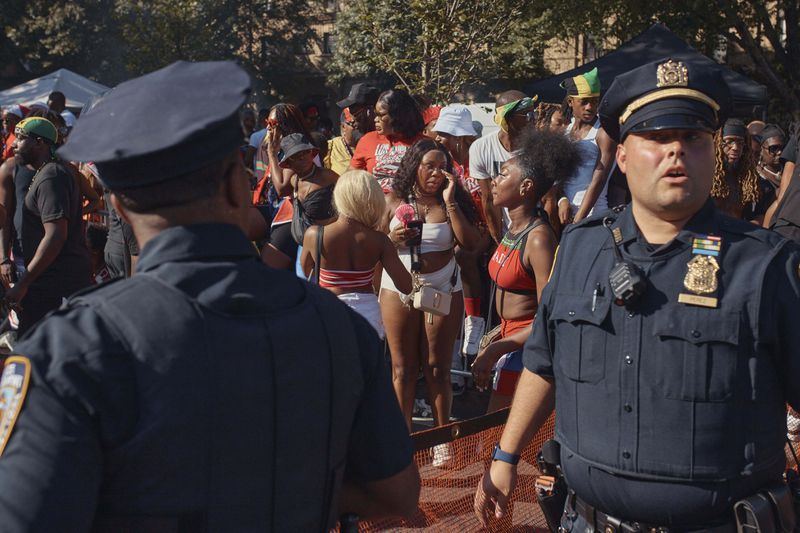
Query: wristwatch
(500, 455)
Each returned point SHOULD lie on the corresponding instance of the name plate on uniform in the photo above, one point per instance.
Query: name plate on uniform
(695, 299)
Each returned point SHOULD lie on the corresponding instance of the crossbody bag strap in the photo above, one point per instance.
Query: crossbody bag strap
(318, 259)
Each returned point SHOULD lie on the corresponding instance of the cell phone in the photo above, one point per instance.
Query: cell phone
(415, 224)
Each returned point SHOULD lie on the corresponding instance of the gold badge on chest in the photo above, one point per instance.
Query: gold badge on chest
(701, 272)
(701, 275)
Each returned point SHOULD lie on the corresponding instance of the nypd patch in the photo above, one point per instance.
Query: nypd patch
(13, 387)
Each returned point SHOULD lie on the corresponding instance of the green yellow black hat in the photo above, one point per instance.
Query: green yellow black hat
(586, 85)
(37, 127)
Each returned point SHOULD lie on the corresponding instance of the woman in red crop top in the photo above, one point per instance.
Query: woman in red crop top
(524, 258)
(352, 246)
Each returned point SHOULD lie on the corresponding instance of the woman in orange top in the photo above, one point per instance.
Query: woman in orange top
(398, 125)
(524, 258)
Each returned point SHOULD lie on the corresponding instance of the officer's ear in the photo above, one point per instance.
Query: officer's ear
(119, 208)
(622, 161)
(236, 182)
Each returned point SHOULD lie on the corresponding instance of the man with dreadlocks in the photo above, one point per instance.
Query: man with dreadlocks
(736, 182)
(56, 257)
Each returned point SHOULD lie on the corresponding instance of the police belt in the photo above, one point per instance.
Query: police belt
(604, 523)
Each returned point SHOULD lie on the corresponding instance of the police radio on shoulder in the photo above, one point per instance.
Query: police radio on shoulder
(626, 279)
(500, 455)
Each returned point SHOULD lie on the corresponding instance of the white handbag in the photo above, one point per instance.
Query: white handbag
(432, 301)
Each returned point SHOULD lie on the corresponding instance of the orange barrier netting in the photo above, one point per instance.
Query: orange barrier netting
(446, 500)
(448, 491)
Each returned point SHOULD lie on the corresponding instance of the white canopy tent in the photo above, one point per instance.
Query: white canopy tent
(75, 87)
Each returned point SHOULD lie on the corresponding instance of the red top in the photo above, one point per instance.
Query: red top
(506, 267)
(381, 157)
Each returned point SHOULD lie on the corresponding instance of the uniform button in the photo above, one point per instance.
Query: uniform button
(626, 455)
(628, 359)
(630, 315)
(696, 334)
(628, 408)
(571, 313)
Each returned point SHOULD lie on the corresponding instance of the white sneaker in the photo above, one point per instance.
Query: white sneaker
(422, 409)
(473, 331)
(442, 455)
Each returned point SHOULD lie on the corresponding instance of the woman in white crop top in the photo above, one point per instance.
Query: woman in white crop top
(425, 189)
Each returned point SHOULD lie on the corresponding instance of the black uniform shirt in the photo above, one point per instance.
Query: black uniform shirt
(666, 412)
(204, 390)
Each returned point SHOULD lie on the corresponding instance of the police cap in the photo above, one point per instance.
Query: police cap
(665, 94)
(163, 124)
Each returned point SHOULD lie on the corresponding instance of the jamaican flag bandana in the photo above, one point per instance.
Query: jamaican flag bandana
(525, 104)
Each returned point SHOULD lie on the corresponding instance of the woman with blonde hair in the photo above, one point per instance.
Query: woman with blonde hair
(343, 254)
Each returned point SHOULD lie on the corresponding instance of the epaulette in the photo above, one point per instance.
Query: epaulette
(596, 219)
(92, 289)
(750, 230)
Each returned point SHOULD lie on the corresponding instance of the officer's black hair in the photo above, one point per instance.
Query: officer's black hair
(404, 112)
(546, 157)
(180, 190)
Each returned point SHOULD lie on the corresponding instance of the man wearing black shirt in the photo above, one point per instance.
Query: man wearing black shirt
(56, 257)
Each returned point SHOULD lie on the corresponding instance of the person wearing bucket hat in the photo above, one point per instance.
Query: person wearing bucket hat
(172, 400)
(309, 186)
(661, 338)
(51, 234)
(587, 190)
(455, 131)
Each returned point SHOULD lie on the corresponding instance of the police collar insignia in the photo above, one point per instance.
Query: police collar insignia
(13, 387)
(701, 272)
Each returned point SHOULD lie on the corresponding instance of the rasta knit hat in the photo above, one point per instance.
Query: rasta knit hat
(37, 127)
(586, 85)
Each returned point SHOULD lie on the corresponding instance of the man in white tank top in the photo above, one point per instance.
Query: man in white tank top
(586, 191)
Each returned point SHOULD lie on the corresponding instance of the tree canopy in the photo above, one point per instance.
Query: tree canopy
(438, 47)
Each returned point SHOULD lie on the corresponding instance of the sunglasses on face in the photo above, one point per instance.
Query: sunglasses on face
(775, 149)
(732, 142)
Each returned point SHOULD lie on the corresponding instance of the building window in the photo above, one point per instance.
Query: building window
(328, 43)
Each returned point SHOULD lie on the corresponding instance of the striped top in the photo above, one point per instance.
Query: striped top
(346, 279)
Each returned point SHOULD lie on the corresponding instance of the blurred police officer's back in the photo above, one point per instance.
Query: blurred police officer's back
(663, 336)
(208, 392)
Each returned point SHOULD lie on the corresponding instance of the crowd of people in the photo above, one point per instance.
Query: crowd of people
(441, 237)
(480, 216)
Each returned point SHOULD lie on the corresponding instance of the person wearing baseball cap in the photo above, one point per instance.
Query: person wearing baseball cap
(341, 148)
(662, 337)
(53, 247)
(173, 400)
(361, 104)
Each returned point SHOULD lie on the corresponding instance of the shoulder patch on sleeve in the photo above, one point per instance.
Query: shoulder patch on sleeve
(13, 388)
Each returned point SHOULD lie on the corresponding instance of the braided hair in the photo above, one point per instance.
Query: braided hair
(744, 174)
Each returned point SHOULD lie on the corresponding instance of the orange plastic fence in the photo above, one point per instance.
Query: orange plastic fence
(448, 489)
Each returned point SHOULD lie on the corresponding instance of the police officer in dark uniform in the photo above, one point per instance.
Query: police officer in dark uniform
(207, 392)
(665, 337)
